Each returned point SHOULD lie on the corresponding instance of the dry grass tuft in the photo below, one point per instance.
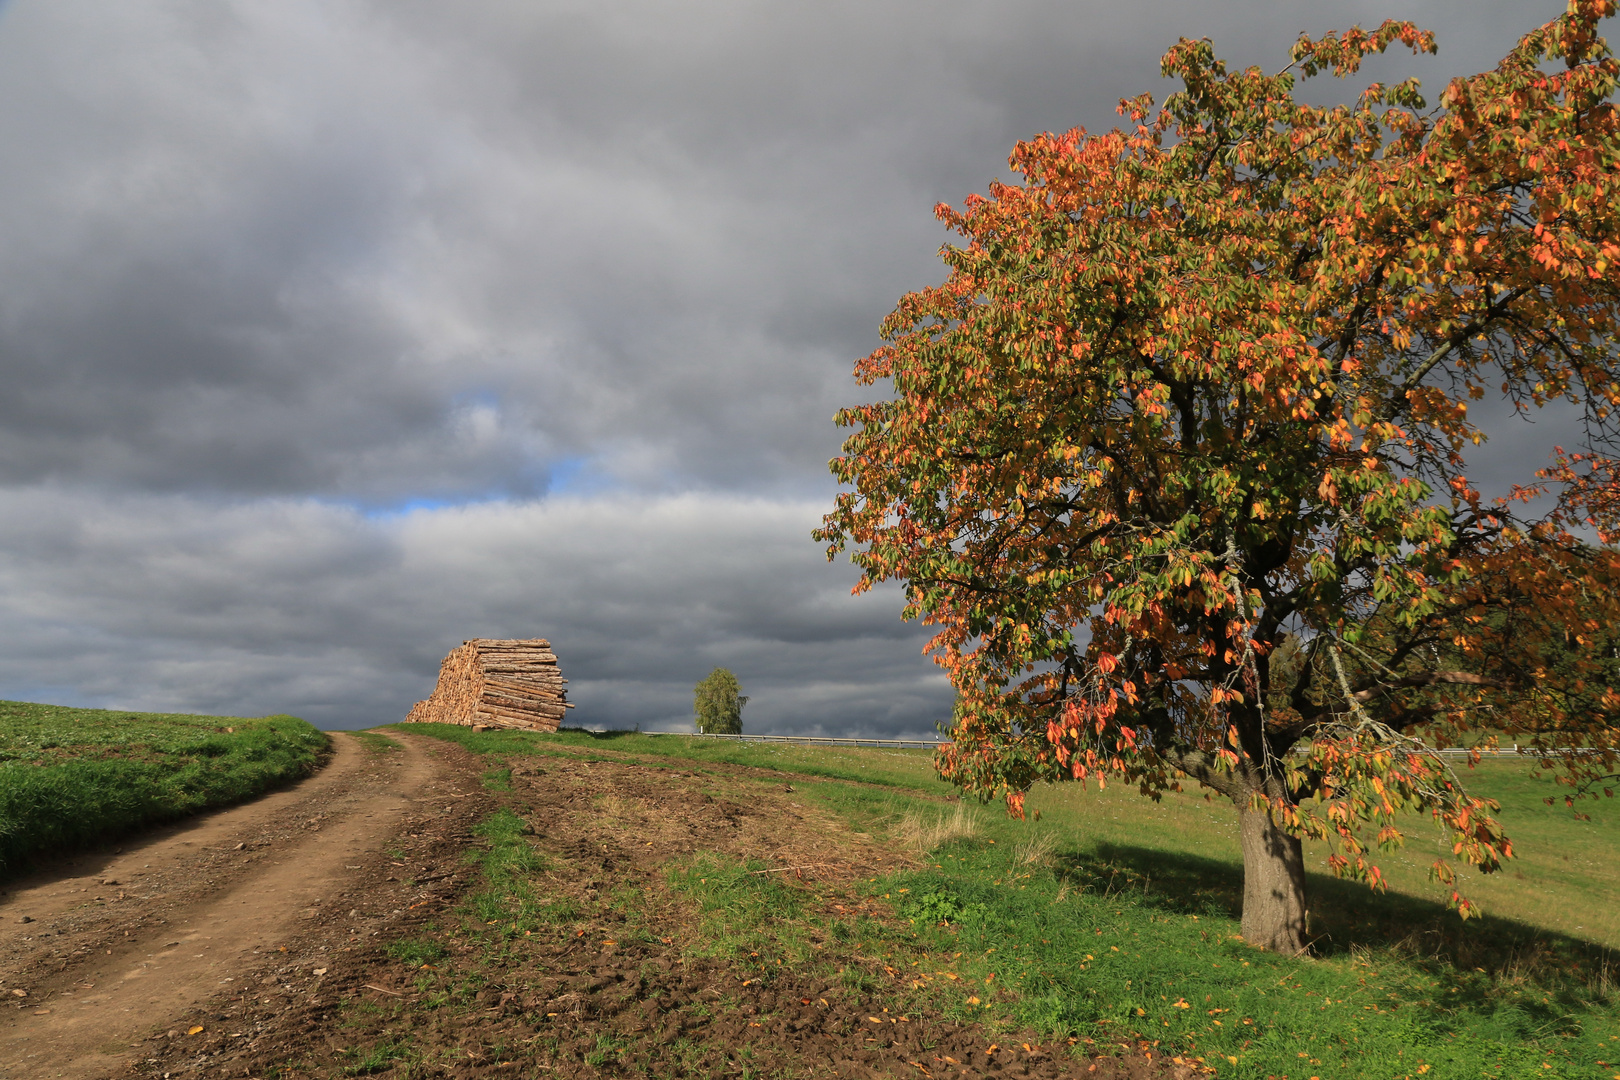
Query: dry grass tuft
(922, 833)
(1035, 850)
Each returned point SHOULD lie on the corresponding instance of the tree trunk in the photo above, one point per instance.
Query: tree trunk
(1273, 884)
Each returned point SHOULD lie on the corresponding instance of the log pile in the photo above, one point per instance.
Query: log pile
(488, 682)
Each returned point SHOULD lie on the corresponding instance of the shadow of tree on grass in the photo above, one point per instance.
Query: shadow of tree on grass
(1348, 917)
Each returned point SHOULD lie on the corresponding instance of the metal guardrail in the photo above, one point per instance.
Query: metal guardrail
(811, 740)
(1516, 749)
(925, 744)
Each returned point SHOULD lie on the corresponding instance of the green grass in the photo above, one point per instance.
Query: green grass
(375, 741)
(1072, 942)
(1113, 916)
(1113, 919)
(507, 897)
(908, 769)
(73, 777)
(416, 952)
(744, 911)
(381, 1058)
(1564, 877)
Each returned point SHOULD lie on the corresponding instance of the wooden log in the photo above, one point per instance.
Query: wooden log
(516, 682)
(548, 690)
(512, 701)
(533, 724)
(503, 709)
(522, 714)
(552, 686)
(518, 704)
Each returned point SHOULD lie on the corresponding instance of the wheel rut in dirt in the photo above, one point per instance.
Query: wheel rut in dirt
(98, 950)
(588, 960)
(386, 948)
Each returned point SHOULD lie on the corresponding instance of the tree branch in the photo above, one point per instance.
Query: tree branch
(1492, 309)
(1428, 678)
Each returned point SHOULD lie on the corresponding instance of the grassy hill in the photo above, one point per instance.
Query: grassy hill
(71, 777)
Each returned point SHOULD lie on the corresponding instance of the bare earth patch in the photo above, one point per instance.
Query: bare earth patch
(346, 944)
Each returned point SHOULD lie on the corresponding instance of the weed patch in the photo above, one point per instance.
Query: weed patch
(922, 831)
(375, 741)
(379, 1058)
(745, 911)
(417, 951)
(507, 894)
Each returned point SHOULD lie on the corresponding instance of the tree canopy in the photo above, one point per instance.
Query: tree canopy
(1177, 457)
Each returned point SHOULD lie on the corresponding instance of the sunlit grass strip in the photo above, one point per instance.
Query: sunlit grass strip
(910, 769)
(375, 742)
(72, 777)
(745, 913)
(507, 894)
(1069, 944)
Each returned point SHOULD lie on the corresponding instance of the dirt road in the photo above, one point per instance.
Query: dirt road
(345, 927)
(104, 952)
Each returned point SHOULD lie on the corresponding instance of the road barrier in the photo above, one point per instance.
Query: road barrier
(810, 740)
(927, 744)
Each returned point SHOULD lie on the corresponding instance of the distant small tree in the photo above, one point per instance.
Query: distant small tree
(718, 704)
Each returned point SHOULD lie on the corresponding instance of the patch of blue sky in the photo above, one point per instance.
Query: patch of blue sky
(487, 397)
(578, 475)
(415, 504)
(571, 476)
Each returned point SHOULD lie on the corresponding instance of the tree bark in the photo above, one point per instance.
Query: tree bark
(1273, 883)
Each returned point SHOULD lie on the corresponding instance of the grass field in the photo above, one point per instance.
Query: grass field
(1113, 919)
(906, 769)
(71, 777)
(1115, 912)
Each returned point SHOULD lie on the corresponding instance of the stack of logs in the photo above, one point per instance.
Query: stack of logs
(509, 684)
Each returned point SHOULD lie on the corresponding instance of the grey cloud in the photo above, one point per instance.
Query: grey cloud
(384, 251)
(267, 266)
(173, 603)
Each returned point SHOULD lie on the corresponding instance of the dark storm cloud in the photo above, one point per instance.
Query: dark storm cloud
(269, 268)
(378, 251)
(174, 604)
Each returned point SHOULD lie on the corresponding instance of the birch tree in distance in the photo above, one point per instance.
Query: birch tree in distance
(719, 704)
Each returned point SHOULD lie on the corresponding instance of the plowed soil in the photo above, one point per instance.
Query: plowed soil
(326, 931)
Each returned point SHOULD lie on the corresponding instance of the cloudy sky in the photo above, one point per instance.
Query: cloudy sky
(334, 332)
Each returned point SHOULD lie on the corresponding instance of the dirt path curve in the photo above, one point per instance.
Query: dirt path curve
(101, 952)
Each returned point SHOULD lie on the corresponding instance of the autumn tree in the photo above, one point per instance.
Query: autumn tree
(717, 699)
(1177, 456)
